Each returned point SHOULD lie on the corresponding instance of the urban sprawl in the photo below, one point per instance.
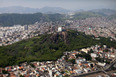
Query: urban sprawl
(70, 64)
(96, 26)
(99, 59)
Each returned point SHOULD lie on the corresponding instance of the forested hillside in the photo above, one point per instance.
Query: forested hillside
(47, 47)
(22, 19)
(83, 15)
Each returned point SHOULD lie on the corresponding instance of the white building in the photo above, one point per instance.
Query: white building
(80, 60)
(101, 64)
(1, 34)
(50, 72)
(93, 55)
(85, 50)
(59, 29)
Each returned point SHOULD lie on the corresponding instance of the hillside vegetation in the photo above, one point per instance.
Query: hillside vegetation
(88, 14)
(22, 19)
(113, 16)
(83, 15)
(47, 47)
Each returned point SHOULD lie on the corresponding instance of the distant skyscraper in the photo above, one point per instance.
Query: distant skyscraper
(26, 27)
(2, 34)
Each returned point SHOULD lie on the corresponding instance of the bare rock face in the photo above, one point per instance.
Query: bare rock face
(61, 36)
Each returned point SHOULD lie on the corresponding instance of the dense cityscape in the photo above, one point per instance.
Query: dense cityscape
(97, 26)
(57, 38)
(74, 63)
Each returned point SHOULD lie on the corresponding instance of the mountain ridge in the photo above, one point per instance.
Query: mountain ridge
(50, 10)
(21, 10)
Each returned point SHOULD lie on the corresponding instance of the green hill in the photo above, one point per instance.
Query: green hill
(111, 17)
(22, 19)
(83, 15)
(107, 12)
(47, 47)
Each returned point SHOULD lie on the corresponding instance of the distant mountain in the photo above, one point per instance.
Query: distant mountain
(18, 9)
(53, 10)
(113, 16)
(87, 14)
(104, 11)
(109, 13)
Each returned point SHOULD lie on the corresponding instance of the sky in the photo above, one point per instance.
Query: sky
(67, 4)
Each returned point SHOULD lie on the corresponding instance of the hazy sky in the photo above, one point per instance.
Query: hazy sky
(67, 4)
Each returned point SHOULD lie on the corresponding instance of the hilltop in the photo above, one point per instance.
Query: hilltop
(47, 47)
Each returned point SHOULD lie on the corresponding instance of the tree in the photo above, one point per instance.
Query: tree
(32, 65)
(84, 55)
(91, 51)
(72, 61)
(22, 76)
(5, 72)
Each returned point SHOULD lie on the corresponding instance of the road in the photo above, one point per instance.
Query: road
(99, 72)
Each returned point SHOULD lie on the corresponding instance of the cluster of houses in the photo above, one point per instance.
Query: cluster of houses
(69, 64)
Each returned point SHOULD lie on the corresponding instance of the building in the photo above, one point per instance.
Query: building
(59, 29)
(93, 55)
(26, 27)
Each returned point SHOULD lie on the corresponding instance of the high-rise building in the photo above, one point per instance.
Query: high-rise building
(2, 34)
(26, 27)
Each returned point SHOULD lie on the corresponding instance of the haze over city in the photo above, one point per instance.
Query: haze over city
(67, 4)
(57, 38)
